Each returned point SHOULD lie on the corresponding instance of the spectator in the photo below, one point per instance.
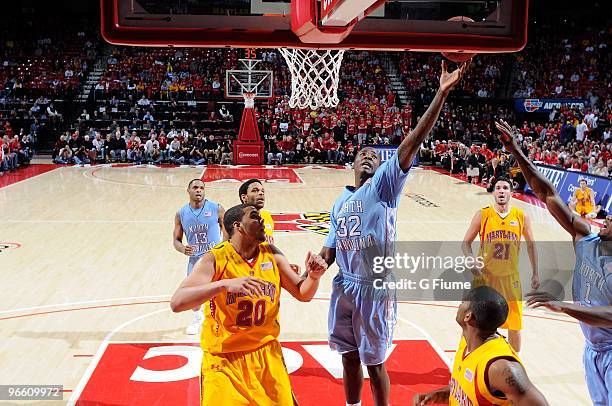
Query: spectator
(118, 148)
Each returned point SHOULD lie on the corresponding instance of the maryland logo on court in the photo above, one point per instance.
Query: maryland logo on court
(316, 222)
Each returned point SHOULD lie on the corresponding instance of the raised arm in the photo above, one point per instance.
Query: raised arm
(510, 378)
(543, 189)
(411, 144)
(177, 238)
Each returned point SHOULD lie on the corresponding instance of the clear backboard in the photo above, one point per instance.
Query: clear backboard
(414, 25)
(248, 79)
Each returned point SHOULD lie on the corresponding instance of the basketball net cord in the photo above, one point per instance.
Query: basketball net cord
(314, 77)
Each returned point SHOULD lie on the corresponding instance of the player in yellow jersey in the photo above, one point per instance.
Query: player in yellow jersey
(240, 280)
(500, 227)
(486, 370)
(252, 192)
(582, 201)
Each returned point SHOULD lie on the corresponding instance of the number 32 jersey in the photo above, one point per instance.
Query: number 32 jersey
(364, 221)
(234, 322)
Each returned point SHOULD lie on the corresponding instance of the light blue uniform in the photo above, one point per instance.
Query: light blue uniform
(363, 225)
(201, 229)
(592, 286)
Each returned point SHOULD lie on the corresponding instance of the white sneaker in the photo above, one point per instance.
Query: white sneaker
(196, 324)
(193, 328)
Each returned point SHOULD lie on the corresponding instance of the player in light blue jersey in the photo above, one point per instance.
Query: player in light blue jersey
(363, 225)
(592, 281)
(201, 221)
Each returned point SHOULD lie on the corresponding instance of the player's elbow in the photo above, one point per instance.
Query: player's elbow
(176, 304)
(305, 298)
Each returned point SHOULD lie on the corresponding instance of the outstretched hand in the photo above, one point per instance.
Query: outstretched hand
(544, 299)
(448, 80)
(506, 137)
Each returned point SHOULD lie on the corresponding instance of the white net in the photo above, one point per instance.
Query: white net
(314, 76)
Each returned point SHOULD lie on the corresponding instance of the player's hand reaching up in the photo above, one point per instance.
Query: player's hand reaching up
(506, 137)
(248, 285)
(315, 265)
(448, 80)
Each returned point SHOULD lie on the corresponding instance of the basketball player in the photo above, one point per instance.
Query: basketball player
(500, 227)
(252, 192)
(240, 280)
(592, 281)
(361, 318)
(201, 220)
(486, 370)
(583, 201)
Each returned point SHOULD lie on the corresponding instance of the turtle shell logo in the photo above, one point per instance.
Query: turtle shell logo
(314, 222)
(532, 105)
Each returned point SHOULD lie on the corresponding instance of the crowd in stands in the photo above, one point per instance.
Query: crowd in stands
(560, 63)
(570, 140)
(164, 105)
(176, 146)
(16, 150)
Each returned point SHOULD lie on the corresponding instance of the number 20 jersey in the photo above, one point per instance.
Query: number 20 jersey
(234, 322)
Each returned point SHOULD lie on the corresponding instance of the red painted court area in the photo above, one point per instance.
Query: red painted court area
(25, 173)
(168, 373)
(215, 173)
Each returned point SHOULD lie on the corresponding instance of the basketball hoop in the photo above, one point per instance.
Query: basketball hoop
(314, 76)
(249, 100)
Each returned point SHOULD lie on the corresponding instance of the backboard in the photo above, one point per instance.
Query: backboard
(412, 25)
(248, 79)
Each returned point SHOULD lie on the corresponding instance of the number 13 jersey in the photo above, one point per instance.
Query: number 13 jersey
(235, 322)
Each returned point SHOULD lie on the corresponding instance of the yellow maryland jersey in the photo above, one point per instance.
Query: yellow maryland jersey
(500, 240)
(268, 224)
(468, 385)
(232, 321)
(583, 204)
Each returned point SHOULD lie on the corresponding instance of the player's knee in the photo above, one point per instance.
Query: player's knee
(351, 360)
(376, 372)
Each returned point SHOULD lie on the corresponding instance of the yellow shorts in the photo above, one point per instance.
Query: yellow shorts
(251, 378)
(509, 286)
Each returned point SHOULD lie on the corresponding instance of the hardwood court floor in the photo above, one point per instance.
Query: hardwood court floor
(90, 262)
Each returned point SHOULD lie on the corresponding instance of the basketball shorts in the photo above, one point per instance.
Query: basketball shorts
(191, 263)
(255, 378)
(509, 286)
(361, 318)
(598, 374)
